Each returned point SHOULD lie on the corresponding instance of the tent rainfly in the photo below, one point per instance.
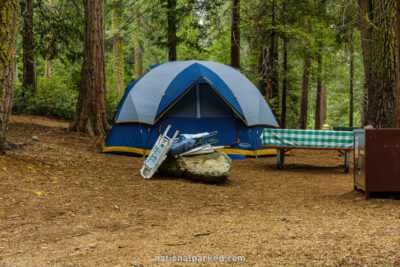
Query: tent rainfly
(192, 96)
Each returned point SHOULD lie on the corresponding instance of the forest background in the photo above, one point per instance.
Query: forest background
(305, 56)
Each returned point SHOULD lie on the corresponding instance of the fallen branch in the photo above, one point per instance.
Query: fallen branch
(12, 146)
(201, 234)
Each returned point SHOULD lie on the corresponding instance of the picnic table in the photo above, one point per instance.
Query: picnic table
(286, 139)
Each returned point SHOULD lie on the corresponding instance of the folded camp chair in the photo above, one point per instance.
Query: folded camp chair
(158, 154)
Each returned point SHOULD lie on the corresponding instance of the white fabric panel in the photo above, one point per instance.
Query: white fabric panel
(143, 100)
(254, 107)
(146, 95)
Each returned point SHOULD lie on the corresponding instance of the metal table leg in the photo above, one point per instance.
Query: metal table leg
(347, 160)
(281, 158)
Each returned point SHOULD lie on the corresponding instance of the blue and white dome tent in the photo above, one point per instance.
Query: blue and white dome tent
(193, 97)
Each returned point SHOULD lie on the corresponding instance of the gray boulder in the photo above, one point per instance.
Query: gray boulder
(209, 168)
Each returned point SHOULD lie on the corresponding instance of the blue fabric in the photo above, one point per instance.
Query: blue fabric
(237, 157)
(128, 135)
(144, 136)
(222, 89)
(188, 78)
(127, 90)
(181, 144)
(227, 96)
(181, 83)
(156, 91)
(154, 66)
(144, 98)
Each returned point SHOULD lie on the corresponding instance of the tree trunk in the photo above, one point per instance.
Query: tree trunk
(284, 85)
(49, 67)
(397, 110)
(262, 67)
(380, 55)
(28, 44)
(351, 108)
(318, 120)
(235, 34)
(118, 47)
(8, 47)
(138, 51)
(90, 115)
(364, 105)
(171, 35)
(304, 94)
(366, 14)
(49, 64)
(323, 103)
(272, 85)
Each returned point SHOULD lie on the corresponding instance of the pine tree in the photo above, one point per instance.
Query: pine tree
(272, 81)
(379, 51)
(318, 119)
(235, 34)
(284, 84)
(8, 45)
(49, 64)
(304, 94)
(118, 46)
(397, 110)
(172, 40)
(138, 50)
(90, 115)
(28, 44)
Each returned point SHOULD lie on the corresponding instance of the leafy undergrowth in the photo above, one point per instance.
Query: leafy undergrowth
(62, 203)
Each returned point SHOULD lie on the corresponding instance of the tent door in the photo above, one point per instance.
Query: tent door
(200, 102)
(201, 109)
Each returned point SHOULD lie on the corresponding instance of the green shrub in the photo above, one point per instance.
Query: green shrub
(53, 99)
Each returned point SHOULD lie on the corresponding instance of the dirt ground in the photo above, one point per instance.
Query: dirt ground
(62, 203)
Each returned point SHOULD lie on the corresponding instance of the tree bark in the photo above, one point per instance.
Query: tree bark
(323, 103)
(397, 110)
(351, 87)
(8, 46)
(272, 82)
(284, 85)
(262, 67)
(138, 51)
(49, 63)
(49, 67)
(380, 55)
(28, 44)
(318, 120)
(90, 115)
(235, 34)
(171, 34)
(364, 105)
(118, 46)
(366, 14)
(304, 94)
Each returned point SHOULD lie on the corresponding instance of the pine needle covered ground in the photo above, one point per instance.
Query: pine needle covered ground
(62, 203)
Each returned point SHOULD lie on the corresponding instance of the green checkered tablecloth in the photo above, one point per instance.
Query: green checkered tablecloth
(307, 138)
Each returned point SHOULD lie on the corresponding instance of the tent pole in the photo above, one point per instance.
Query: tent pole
(198, 100)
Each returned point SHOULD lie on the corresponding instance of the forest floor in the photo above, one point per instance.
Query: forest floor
(62, 203)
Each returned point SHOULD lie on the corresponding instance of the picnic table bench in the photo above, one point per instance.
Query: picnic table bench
(286, 139)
